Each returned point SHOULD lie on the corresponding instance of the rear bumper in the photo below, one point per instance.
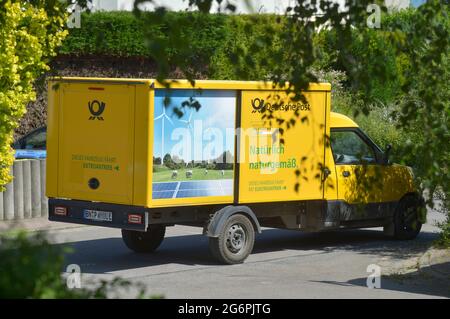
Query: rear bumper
(120, 214)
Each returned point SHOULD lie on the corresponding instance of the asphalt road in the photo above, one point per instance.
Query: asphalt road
(284, 264)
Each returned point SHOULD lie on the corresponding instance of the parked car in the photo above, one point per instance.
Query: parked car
(32, 145)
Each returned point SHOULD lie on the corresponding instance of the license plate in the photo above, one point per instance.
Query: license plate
(97, 215)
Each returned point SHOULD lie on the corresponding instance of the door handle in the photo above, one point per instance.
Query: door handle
(346, 173)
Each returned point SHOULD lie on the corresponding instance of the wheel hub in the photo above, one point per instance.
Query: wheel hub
(409, 218)
(236, 238)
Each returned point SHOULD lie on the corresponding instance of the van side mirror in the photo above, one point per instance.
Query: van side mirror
(386, 153)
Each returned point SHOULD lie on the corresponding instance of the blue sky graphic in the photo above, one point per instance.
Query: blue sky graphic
(217, 111)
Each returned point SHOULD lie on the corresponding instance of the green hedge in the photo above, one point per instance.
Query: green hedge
(211, 38)
(106, 33)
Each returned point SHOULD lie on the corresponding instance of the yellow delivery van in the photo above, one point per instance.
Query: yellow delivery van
(228, 156)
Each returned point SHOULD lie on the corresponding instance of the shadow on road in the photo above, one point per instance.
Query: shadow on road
(110, 254)
(427, 281)
(362, 241)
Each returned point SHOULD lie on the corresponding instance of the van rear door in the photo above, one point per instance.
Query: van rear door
(96, 141)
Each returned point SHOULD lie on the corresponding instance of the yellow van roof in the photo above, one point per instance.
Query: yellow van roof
(340, 120)
(200, 84)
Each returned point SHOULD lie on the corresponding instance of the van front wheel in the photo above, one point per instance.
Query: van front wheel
(235, 241)
(144, 242)
(407, 220)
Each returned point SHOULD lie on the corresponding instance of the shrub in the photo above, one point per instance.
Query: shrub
(29, 35)
(121, 34)
(207, 43)
(31, 268)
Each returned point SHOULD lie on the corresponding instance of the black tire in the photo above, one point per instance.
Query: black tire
(407, 221)
(235, 241)
(144, 242)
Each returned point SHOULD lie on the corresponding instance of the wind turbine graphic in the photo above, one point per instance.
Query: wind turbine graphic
(189, 126)
(188, 122)
(163, 117)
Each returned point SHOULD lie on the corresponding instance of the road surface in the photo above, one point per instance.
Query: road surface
(284, 264)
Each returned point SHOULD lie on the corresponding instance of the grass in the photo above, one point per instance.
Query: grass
(165, 175)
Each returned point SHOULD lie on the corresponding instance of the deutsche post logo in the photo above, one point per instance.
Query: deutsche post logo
(258, 105)
(96, 108)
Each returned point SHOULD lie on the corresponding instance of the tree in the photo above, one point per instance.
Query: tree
(30, 33)
(157, 160)
(423, 97)
(167, 159)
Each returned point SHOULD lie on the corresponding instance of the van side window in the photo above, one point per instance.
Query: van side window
(350, 149)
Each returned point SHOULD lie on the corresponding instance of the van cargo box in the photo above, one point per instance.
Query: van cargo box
(119, 141)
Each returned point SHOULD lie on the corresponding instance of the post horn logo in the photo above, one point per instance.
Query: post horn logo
(258, 105)
(96, 108)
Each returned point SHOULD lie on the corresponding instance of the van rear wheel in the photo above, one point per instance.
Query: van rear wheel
(144, 242)
(235, 241)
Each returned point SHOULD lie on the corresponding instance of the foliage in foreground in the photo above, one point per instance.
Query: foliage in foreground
(30, 32)
(444, 236)
(31, 268)
(409, 65)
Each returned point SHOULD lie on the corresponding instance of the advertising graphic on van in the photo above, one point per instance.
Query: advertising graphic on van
(193, 155)
(276, 159)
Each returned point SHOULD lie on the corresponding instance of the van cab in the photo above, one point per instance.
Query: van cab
(369, 186)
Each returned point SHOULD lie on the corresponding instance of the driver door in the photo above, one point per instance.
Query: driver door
(359, 174)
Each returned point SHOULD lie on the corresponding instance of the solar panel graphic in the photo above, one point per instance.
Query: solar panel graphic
(164, 190)
(185, 189)
(205, 165)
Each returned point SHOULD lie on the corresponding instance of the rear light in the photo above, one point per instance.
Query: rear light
(61, 211)
(134, 219)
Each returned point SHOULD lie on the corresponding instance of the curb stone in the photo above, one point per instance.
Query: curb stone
(36, 224)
